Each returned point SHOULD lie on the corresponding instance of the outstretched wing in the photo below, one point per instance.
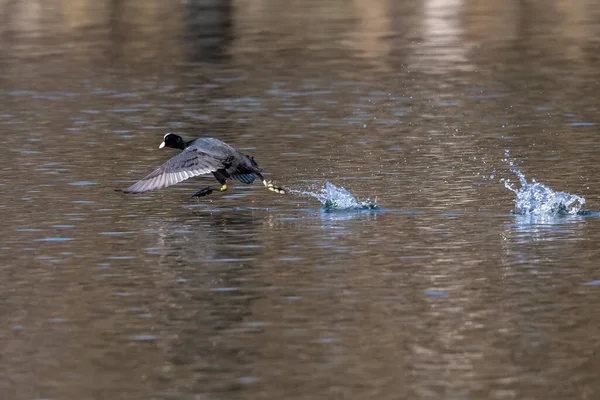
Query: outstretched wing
(185, 165)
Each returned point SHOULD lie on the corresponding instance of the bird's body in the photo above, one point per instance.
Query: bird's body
(198, 157)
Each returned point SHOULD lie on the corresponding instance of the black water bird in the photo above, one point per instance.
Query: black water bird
(199, 157)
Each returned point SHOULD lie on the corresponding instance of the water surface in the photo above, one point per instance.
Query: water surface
(442, 293)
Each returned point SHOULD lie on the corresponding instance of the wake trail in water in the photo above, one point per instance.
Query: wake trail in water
(538, 199)
(336, 198)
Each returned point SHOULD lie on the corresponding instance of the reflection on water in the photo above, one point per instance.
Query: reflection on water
(443, 46)
(440, 294)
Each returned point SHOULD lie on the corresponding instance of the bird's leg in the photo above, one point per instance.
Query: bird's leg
(221, 176)
(271, 186)
(205, 191)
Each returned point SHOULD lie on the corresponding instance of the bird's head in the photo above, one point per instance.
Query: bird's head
(172, 140)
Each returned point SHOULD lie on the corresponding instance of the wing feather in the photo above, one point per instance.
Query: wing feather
(185, 165)
(246, 178)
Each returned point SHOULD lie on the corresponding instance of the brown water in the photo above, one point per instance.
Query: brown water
(441, 294)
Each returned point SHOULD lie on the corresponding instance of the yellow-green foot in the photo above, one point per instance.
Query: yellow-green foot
(277, 189)
(205, 191)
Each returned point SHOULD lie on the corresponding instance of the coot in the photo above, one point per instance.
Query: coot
(199, 157)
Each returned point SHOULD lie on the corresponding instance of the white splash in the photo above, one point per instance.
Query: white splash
(337, 198)
(538, 199)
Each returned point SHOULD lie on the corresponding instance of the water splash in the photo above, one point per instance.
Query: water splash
(337, 198)
(538, 199)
